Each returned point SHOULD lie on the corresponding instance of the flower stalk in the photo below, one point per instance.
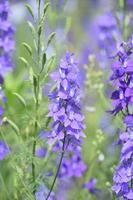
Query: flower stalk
(36, 86)
(59, 167)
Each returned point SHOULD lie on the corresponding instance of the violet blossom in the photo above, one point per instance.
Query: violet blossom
(73, 165)
(122, 97)
(41, 152)
(42, 193)
(4, 150)
(65, 108)
(91, 185)
(7, 43)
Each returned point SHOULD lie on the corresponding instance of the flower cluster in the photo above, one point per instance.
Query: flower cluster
(123, 77)
(123, 177)
(65, 108)
(6, 47)
(91, 185)
(107, 38)
(107, 33)
(6, 40)
(73, 165)
(123, 102)
(42, 193)
(67, 125)
(4, 150)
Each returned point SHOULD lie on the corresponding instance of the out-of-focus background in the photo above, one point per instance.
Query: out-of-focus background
(83, 27)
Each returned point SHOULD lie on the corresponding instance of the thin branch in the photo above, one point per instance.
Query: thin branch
(58, 169)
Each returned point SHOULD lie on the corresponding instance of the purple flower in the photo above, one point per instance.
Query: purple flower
(7, 43)
(1, 114)
(122, 97)
(42, 193)
(4, 150)
(1, 111)
(41, 152)
(73, 164)
(122, 77)
(129, 121)
(65, 108)
(108, 34)
(91, 185)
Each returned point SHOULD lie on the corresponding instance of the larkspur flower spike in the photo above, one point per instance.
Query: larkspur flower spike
(122, 98)
(65, 108)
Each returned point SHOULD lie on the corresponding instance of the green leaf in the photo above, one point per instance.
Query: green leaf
(50, 38)
(31, 74)
(32, 29)
(38, 2)
(44, 58)
(40, 29)
(43, 16)
(22, 59)
(20, 98)
(36, 87)
(45, 8)
(29, 8)
(50, 64)
(35, 81)
(27, 47)
(12, 124)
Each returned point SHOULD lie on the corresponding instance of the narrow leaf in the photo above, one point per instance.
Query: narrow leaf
(12, 124)
(45, 8)
(44, 13)
(27, 47)
(35, 81)
(30, 10)
(39, 2)
(44, 58)
(51, 36)
(20, 98)
(24, 61)
(39, 30)
(31, 74)
(50, 64)
(31, 27)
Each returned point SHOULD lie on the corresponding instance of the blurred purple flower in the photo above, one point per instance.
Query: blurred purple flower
(106, 36)
(1, 114)
(73, 164)
(43, 135)
(7, 43)
(108, 33)
(91, 185)
(41, 152)
(4, 150)
(42, 193)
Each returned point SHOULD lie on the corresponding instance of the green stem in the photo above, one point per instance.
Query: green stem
(36, 95)
(124, 9)
(39, 38)
(58, 169)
